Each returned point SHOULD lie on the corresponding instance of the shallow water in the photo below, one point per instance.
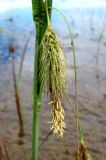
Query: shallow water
(87, 25)
(16, 23)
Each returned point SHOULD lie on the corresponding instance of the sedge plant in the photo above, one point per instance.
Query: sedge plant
(17, 96)
(40, 21)
(82, 153)
(52, 64)
(49, 73)
(17, 93)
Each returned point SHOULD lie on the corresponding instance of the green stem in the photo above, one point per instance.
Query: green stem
(75, 114)
(22, 61)
(35, 136)
(40, 21)
(75, 71)
(36, 106)
(79, 129)
(47, 13)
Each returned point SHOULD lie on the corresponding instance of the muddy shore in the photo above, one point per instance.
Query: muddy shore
(92, 101)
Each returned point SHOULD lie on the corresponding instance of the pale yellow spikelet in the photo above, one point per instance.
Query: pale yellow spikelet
(58, 118)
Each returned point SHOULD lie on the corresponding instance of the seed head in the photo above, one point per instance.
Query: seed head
(82, 154)
(52, 64)
(58, 118)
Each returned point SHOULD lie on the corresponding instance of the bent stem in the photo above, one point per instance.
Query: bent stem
(80, 152)
(22, 61)
(17, 99)
(75, 72)
(75, 115)
(3, 150)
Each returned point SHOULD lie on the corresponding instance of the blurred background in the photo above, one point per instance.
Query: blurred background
(87, 19)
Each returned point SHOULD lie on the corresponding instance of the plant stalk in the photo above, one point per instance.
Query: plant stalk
(75, 73)
(35, 137)
(40, 21)
(17, 100)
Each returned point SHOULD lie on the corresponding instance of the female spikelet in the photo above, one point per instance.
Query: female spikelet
(52, 65)
(83, 154)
